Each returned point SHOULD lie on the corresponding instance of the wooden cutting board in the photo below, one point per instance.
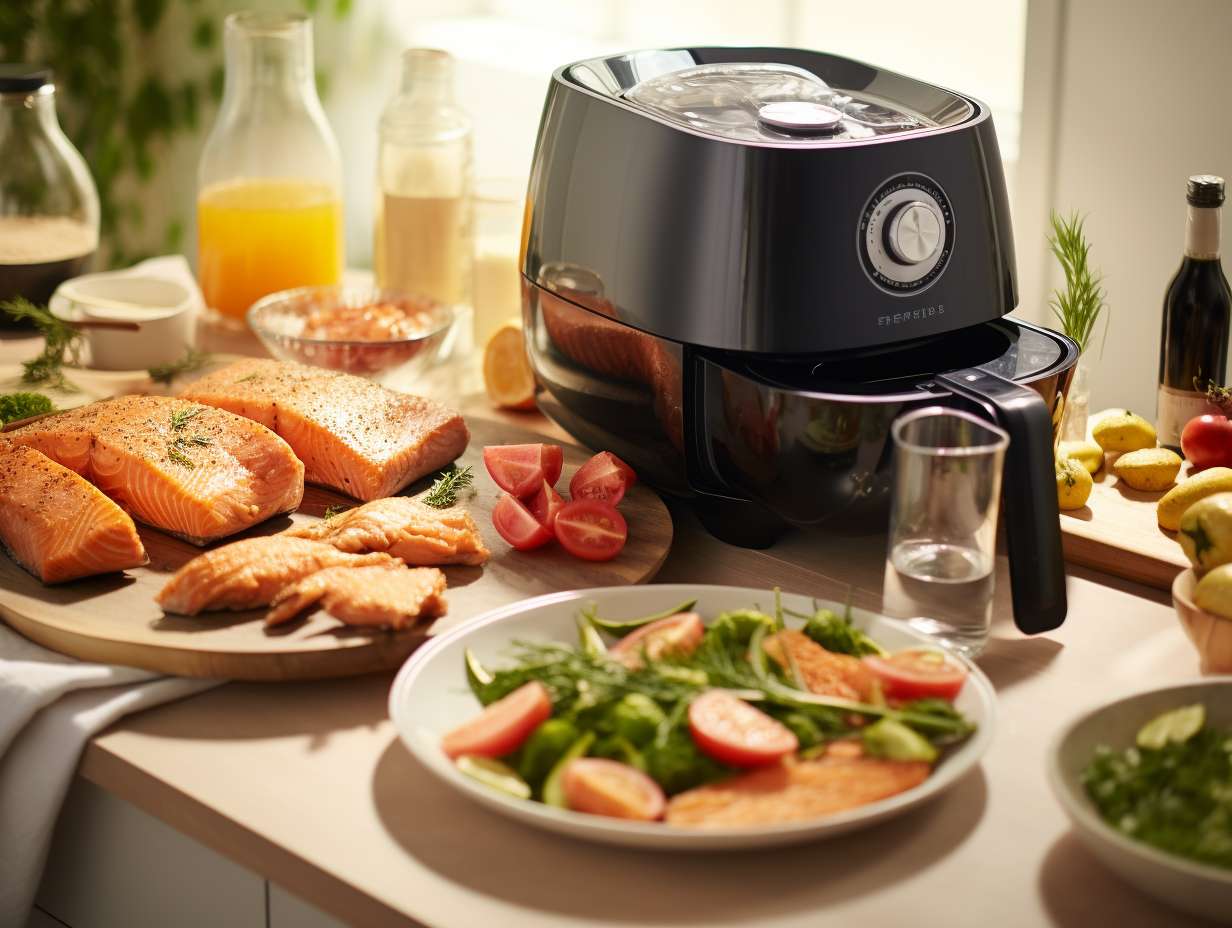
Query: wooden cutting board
(114, 619)
(1116, 532)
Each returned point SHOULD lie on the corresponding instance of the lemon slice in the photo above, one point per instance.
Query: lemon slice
(1177, 727)
(506, 372)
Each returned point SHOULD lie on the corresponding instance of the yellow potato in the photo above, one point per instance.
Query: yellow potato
(1174, 503)
(1149, 469)
(1206, 532)
(1123, 431)
(1214, 592)
(1073, 484)
(1086, 453)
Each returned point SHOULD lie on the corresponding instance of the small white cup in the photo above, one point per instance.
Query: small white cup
(162, 309)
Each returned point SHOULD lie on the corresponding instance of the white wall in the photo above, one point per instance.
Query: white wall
(1127, 98)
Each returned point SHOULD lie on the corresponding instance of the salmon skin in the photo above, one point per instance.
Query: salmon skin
(250, 573)
(191, 470)
(388, 597)
(404, 527)
(353, 435)
(58, 526)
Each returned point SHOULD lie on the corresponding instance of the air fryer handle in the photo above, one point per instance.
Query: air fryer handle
(1032, 522)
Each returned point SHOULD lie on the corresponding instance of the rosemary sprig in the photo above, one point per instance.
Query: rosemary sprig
(1215, 394)
(444, 491)
(193, 360)
(181, 417)
(1080, 304)
(60, 339)
(331, 511)
(179, 444)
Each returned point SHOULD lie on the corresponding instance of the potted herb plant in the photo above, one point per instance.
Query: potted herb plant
(1078, 307)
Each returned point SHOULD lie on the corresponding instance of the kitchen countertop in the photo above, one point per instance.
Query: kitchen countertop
(308, 785)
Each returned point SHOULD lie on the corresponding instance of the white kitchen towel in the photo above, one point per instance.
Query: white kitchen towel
(50, 706)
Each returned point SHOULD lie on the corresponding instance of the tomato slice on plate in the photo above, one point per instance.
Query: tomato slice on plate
(518, 526)
(519, 469)
(608, 787)
(591, 530)
(677, 636)
(733, 732)
(545, 505)
(502, 727)
(918, 673)
(604, 477)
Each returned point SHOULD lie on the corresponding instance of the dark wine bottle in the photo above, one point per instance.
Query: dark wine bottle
(1193, 347)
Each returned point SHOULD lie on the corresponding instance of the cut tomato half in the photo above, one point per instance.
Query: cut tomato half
(501, 728)
(732, 732)
(608, 787)
(675, 636)
(591, 530)
(918, 673)
(519, 469)
(545, 505)
(604, 477)
(518, 526)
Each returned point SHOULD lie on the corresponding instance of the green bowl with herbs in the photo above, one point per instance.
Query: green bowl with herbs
(1147, 784)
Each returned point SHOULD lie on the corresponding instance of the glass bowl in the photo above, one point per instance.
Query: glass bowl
(378, 334)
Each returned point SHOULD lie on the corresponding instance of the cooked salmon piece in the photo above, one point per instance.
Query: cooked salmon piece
(191, 470)
(389, 597)
(407, 529)
(824, 672)
(794, 791)
(250, 573)
(58, 526)
(353, 435)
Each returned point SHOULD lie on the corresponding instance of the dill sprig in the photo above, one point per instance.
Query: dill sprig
(180, 444)
(61, 344)
(331, 511)
(444, 491)
(193, 360)
(1080, 304)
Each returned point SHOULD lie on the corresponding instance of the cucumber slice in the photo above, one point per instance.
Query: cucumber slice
(553, 789)
(895, 741)
(622, 627)
(1177, 727)
(494, 774)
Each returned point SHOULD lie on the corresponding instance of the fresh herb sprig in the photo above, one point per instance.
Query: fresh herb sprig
(180, 443)
(61, 344)
(446, 488)
(193, 360)
(15, 406)
(332, 511)
(1081, 303)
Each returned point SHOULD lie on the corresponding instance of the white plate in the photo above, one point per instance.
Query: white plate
(1197, 888)
(430, 696)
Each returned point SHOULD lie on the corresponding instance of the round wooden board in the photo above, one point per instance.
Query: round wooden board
(114, 619)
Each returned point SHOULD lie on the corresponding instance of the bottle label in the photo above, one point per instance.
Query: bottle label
(1176, 408)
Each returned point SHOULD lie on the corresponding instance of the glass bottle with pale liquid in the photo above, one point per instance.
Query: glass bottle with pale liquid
(269, 203)
(423, 236)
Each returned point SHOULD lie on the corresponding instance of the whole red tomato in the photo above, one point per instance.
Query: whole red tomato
(1206, 441)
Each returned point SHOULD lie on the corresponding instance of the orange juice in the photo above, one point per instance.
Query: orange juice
(255, 237)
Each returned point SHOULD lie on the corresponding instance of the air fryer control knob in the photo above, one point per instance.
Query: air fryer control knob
(915, 233)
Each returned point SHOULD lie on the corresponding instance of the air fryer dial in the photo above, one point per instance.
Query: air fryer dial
(906, 234)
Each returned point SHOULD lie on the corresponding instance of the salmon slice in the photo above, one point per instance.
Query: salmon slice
(353, 435)
(407, 529)
(191, 470)
(390, 597)
(794, 791)
(58, 526)
(823, 672)
(250, 573)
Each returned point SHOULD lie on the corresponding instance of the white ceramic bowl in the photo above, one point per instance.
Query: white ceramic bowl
(1196, 888)
(430, 696)
(162, 309)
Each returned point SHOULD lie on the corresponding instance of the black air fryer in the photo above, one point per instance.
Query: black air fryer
(742, 264)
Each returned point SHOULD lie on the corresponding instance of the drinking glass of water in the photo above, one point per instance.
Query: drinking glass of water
(943, 524)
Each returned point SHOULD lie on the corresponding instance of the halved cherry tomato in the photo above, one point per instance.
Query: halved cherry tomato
(918, 673)
(519, 469)
(677, 636)
(517, 526)
(503, 726)
(733, 732)
(608, 787)
(604, 477)
(545, 504)
(591, 530)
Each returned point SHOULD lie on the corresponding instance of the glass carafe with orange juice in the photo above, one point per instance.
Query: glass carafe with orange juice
(269, 203)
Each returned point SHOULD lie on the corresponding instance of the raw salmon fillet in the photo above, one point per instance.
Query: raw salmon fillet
(191, 470)
(250, 573)
(824, 672)
(58, 526)
(794, 791)
(407, 529)
(390, 597)
(352, 434)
